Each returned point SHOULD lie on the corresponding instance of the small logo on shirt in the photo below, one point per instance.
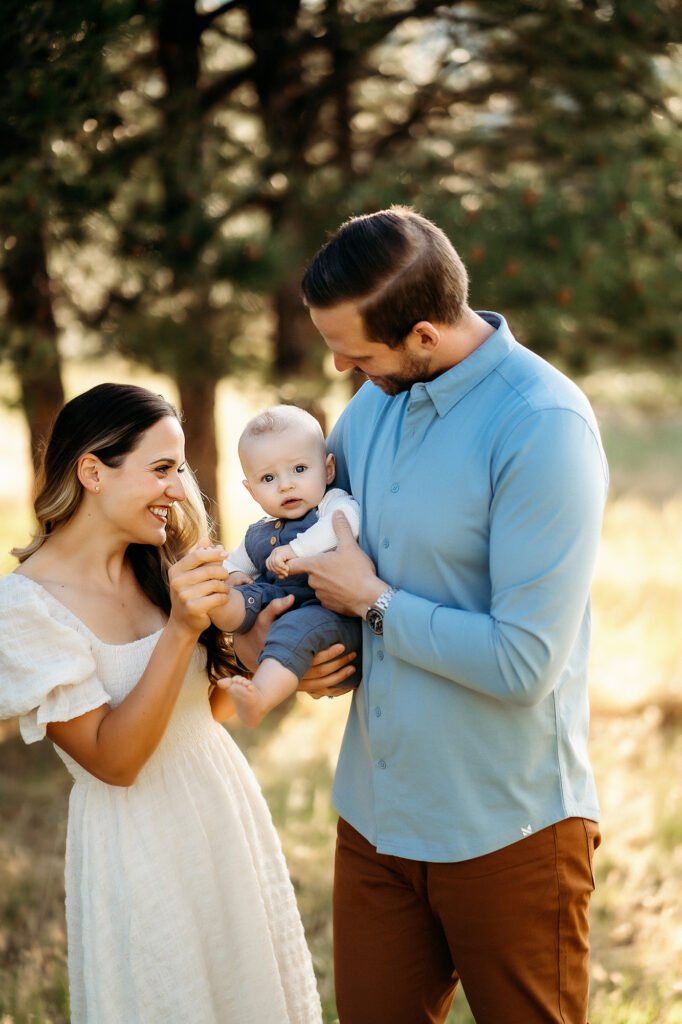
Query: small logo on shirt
(526, 830)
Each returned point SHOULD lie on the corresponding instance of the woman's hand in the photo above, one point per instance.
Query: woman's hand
(329, 669)
(198, 584)
(114, 743)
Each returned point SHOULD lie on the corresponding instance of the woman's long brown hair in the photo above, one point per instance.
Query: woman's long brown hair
(109, 421)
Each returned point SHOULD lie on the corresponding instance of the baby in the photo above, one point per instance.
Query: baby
(287, 470)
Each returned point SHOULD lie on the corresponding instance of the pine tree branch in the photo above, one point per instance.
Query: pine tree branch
(209, 17)
(218, 91)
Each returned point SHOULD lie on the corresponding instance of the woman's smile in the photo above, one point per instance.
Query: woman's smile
(160, 512)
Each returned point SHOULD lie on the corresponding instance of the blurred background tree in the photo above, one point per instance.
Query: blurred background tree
(189, 159)
(167, 167)
(53, 70)
(574, 227)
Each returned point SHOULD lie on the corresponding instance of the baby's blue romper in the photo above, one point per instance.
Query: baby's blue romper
(306, 628)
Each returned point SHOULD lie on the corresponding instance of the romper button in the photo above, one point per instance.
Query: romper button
(273, 541)
(278, 524)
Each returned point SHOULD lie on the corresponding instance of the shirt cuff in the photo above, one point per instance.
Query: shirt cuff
(406, 623)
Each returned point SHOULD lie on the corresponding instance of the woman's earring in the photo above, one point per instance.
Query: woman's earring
(96, 487)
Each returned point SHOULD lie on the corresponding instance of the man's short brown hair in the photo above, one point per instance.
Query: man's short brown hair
(399, 268)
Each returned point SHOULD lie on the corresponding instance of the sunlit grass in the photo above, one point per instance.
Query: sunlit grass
(637, 597)
(636, 746)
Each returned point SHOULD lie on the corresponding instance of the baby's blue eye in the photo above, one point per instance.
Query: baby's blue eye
(300, 469)
(268, 478)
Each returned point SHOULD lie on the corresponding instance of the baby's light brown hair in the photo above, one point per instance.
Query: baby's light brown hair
(276, 420)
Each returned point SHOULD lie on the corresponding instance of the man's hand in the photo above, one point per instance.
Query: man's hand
(328, 676)
(345, 579)
(329, 670)
(278, 559)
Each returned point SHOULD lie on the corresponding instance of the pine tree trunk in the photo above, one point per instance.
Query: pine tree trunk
(197, 399)
(33, 347)
(42, 396)
(299, 347)
(178, 38)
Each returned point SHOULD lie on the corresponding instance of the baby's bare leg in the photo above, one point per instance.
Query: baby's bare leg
(230, 615)
(271, 684)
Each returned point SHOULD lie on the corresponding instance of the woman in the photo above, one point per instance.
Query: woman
(179, 906)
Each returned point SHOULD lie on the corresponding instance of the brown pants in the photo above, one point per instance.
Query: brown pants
(511, 925)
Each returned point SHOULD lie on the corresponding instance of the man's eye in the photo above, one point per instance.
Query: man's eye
(300, 469)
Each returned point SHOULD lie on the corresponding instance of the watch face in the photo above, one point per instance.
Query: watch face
(375, 621)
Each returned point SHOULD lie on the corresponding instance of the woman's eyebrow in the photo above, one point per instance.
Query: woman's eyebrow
(164, 458)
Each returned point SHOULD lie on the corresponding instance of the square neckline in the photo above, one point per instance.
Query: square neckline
(104, 643)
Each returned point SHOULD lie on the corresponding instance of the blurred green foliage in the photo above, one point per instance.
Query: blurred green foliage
(167, 169)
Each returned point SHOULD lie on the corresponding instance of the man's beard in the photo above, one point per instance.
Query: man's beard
(412, 370)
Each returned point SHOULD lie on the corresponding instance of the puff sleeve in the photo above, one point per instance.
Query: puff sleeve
(47, 669)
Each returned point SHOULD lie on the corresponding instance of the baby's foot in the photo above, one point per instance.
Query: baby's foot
(248, 700)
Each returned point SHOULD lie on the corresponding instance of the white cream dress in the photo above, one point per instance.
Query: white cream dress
(179, 905)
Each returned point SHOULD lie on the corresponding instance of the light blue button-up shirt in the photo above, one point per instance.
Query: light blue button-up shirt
(482, 494)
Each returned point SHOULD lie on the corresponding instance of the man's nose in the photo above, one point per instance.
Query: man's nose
(343, 363)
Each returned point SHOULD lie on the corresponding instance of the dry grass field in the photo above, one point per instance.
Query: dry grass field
(636, 742)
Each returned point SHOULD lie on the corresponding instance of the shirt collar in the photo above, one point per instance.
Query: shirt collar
(448, 388)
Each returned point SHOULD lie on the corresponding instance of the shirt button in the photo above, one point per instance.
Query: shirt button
(395, 488)
(278, 524)
(380, 655)
(377, 712)
(385, 542)
(273, 541)
(381, 764)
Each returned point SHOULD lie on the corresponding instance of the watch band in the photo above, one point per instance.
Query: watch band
(375, 613)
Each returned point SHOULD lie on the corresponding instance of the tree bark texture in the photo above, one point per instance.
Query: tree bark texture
(197, 399)
(299, 348)
(179, 40)
(33, 335)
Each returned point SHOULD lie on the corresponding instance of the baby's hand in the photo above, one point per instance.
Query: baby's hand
(277, 560)
(238, 578)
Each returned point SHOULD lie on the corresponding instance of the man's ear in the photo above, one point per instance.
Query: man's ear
(427, 335)
(88, 471)
(248, 487)
(331, 467)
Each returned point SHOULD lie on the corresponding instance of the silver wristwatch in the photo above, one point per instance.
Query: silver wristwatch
(375, 614)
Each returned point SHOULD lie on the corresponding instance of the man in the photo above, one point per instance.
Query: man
(467, 803)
